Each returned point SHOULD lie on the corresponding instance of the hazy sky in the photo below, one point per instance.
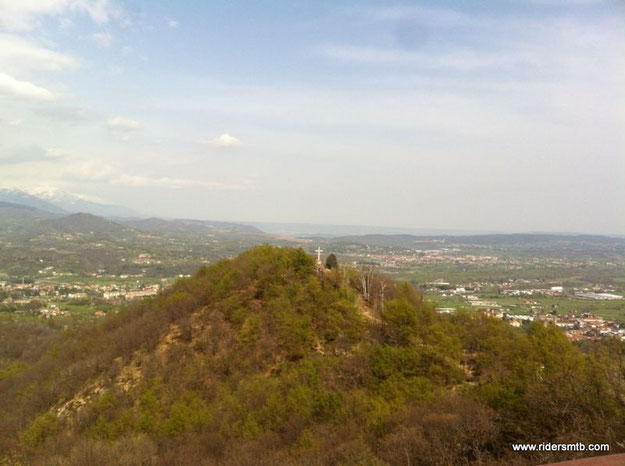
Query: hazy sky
(490, 115)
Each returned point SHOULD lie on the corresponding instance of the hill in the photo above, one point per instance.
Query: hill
(16, 217)
(262, 360)
(82, 224)
(331, 231)
(85, 244)
(187, 227)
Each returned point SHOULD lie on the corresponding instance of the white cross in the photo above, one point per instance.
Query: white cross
(319, 251)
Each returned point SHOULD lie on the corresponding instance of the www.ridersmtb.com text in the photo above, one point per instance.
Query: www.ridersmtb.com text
(547, 446)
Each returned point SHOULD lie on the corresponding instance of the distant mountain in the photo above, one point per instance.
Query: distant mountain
(84, 224)
(7, 207)
(523, 244)
(16, 217)
(189, 227)
(534, 238)
(38, 213)
(489, 240)
(55, 201)
(328, 230)
(75, 203)
(17, 196)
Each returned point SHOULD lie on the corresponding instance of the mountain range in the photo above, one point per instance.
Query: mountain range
(80, 215)
(55, 201)
(19, 197)
(21, 210)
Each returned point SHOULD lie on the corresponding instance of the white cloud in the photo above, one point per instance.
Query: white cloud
(65, 23)
(17, 53)
(23, 89)
(70, 171)
(32, 154)
(88, 170)
(224, 141)
(171, 23)
(123, 124)
(25, 14)
(11, 122)
(67, 114)
(366, 54)
(103, 39)
(116, 70)
(430, 16)
(51, 193)
(546, 48)
(177, 183)
(94, 171)
(458, 59)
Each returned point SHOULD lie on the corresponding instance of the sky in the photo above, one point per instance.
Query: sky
(493, 116)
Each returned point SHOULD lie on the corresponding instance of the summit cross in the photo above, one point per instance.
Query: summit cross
(319, 251)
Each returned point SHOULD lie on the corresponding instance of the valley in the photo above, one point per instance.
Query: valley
(80, 265)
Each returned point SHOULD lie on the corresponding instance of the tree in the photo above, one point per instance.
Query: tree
(366, 279)
(332, 262)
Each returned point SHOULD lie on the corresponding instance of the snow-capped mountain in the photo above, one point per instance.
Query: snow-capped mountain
(17, 196)
(53, 200)
(79, 203)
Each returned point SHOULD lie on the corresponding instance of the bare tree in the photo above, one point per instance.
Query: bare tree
(366, 278)
(382, 289)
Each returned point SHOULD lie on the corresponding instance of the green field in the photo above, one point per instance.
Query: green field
(567, 276)
(610, 310)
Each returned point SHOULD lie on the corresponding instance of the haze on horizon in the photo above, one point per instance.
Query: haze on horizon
(492, 116)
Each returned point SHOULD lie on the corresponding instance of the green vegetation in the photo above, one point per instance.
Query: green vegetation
(332, 262)
(568, 276)
(613, 310)
(82, 244)
(261, 360)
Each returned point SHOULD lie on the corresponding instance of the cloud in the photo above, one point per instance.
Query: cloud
(103, 39)
(430, 16)
(90, 171)
(224, 141)
(65, 23)
(50, 192)
(11, 122)
(25, 15)
(31, 154)
(178, 183)
(569, 2)
(171, 23)
(115, 70)
(123, 125)
(17, 53)
(94, 171)
(66, 113)
(366, 54)
(23, 89)
(551, 48)
(457, 59)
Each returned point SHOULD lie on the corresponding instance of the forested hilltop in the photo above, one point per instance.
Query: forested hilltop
(263, 359)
